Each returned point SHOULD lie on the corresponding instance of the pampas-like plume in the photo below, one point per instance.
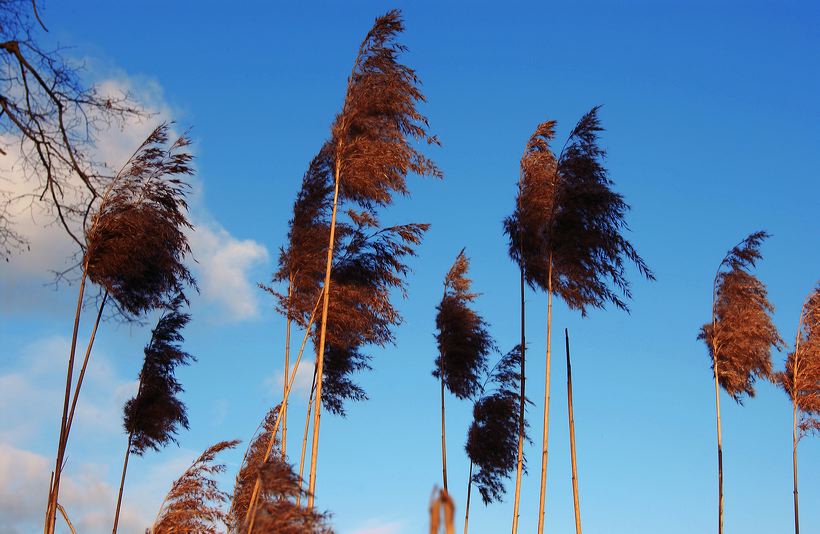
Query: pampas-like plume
(568, 215)
(137, 241)
(134, 250)
(801, 382)
(741, 334)
(276, 509)
(566, 234)
(372, 153)
(801, 379)
(464, 343)
(379, 119)
(463, 338)
(370, 266)
(492, 440)
(302, 260)
(194, 503)
(155, 414)
(153, 417)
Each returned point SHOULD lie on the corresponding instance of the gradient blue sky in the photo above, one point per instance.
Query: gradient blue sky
(711, 112)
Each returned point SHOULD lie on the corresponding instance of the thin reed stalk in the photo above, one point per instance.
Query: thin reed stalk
(542, 504)
(287, 369)
(81, 377)
(122, 483)
(257, 484)
(443, 438)
(305, 437)
(54, 490)
(519, 468)
(575, 500)
(320, 353)
(469, 491)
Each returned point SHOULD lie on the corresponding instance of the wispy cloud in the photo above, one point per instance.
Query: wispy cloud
(301, 384)
(379, 526)
(224, 264)
(32, 391)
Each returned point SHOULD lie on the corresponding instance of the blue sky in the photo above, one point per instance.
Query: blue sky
(711, 114)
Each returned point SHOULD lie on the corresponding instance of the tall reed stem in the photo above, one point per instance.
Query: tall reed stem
(125, 462)
(443, 438)
(794, 468)
(54, 490)
(122, 483)
(719, 443)
(287, 368)
(83, 368)
(572, 440)
(320, 357)
(251, 514)
(467, 507)
(545, 437)
(795, 437)
(519, 469)
(305, 437)
(65, 517)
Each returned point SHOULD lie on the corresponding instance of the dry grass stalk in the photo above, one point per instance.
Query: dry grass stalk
(154, 415)
(442, 513)
(801, 382)
(571, 418)
(566, 234)
(65, 517)
(194, 503)
(464, 343)
(278, 509)
(740, 335)
(492, 440)
(301, 262)
(307, 429)
(289, 385)
(372, 153)
(134, 250)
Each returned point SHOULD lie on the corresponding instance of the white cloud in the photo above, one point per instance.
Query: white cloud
(301, 384)
(31, 397)
(224, 261)
(32, 394)
(49, 245)
(223, 266)
(378, 526)
(87, 498)
(116, 146)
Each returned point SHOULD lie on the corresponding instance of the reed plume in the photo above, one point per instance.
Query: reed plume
(137, 242)
(194, 504)
(370, 267)
(135, 247)
(372, 150)
(566, 235)
(740, 335)
(801, 382)
(152, 418)
(464, 343)
(492, 440)
(276, 510)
